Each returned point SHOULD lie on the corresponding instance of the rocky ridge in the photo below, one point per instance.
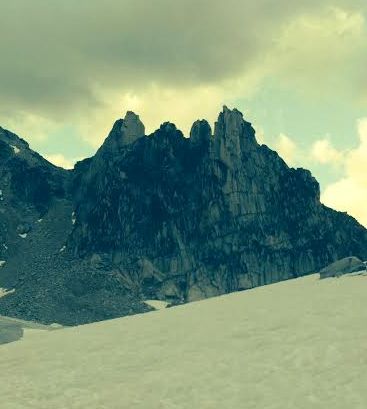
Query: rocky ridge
(163, 217)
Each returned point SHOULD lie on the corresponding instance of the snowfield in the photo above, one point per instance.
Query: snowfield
(299, 344)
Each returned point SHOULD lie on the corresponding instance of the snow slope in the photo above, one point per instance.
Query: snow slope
(13, 329)
(297, 344)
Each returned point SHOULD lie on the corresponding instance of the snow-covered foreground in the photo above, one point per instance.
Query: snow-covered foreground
(12, 329)
(297, 344)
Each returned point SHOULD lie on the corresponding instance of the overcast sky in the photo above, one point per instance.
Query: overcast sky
(296, 69)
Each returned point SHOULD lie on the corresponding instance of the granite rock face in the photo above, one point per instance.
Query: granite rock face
(40, 278)
(182, 219)
(176, 219)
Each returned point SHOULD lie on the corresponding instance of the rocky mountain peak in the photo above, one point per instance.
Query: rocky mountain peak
(233, 136)
(11, 143)
(166, 136)
(159, 217)
(124, 132)
(229, 123)
(168, 127)
(132, 128)
(200, 133)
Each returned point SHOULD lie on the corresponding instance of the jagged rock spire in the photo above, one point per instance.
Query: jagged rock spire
(132, 128)
(159, 218)
(200, 132)
(124, 132)
(232, 135)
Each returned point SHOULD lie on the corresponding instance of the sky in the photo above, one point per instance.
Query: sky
(295, 69)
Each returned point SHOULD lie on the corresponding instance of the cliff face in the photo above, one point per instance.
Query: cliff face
(162, 217)
(187, 218)
(29, 188)
(48, 283)
(35, 221)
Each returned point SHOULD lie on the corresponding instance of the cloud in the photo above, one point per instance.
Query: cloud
(61, 161)
(286, 148)
(350, 193)
(347, 195)
(27, 123)
(322, 151)
(84, 63)
(156, 105)
(321, 52)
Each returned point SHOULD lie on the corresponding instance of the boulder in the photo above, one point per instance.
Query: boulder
(346, 265)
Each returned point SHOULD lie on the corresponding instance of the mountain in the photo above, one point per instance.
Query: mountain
(295, 344)
(159, 217)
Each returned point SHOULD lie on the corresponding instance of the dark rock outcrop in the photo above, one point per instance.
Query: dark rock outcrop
(36, 219)
(172, 218)
(341, 267)
(183, 219)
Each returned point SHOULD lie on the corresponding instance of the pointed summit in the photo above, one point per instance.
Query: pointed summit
(168, 127)
(200, 132)
(232, 136)
(124, 132)
(230, 124)
(167, 135)
(159, 217)
(132, 128)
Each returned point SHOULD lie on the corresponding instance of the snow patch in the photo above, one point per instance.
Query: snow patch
(73, 218)
(62, 249)
(2, 263)
(15, 149)
(23, 235)
(157, 304)
(4, 292)
(39, 220)
(55, 326)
